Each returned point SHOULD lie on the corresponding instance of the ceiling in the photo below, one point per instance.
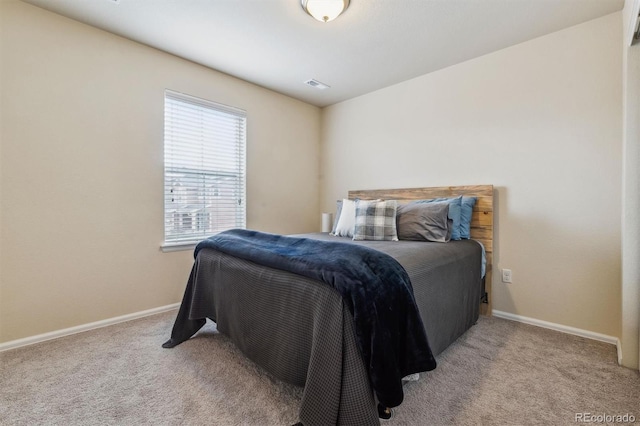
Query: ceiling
(374, 44)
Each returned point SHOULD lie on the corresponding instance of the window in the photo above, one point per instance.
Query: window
(204, 168)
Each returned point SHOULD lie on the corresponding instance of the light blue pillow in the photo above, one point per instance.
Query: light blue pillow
(455, 213)
(465, 216)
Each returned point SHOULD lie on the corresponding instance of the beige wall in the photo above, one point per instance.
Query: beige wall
(82, 170)
(541, 121)
(81, 167)
(631, 195)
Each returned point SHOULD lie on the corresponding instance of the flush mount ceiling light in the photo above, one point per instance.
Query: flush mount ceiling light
(324, 10)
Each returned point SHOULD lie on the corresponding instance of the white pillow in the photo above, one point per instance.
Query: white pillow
(347, 219)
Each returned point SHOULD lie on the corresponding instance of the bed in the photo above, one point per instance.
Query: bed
(302, 331)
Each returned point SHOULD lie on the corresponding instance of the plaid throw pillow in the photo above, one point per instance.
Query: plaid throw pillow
(376, 220)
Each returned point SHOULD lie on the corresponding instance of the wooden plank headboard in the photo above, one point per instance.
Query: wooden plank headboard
(481, 221)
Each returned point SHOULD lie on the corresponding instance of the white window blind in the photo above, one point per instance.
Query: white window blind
(204, 168)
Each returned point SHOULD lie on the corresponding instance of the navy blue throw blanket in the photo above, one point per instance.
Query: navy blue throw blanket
(375, 287)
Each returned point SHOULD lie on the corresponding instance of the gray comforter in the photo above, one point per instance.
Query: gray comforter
(300, 330)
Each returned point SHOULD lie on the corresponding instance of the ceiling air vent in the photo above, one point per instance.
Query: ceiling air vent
(317, 84)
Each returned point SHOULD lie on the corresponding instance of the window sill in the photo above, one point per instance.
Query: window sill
(169, 247)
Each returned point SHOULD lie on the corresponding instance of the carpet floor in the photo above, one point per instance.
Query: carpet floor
(499, 373)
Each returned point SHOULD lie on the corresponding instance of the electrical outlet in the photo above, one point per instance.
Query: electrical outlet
(506, 275)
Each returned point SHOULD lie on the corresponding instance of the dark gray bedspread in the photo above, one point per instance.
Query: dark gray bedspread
(300, 330)
(446, 281)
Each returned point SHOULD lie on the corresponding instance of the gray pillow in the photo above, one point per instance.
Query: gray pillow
(424, 222)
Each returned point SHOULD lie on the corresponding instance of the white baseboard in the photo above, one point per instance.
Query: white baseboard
(13, 344)
(619, 349)
(564, 329)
